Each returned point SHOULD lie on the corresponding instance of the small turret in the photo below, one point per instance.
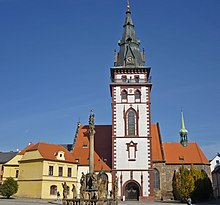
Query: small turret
(183, 133)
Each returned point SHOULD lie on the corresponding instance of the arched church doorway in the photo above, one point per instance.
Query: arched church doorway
(132, 191)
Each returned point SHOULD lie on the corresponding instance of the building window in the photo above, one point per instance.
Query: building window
(136, 78)
(50, 170)
(53, 190)
(131, 149)
(137, 94)
(124, 94)
(124, 78)
(16, 173)
(217, 161)
(156, 179)
(69, 172)
(60, 174)
(131, 123)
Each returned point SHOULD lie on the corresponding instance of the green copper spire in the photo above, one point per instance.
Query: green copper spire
(130, 54)
(183, 133)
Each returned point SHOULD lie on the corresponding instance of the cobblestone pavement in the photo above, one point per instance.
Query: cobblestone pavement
(22, 201)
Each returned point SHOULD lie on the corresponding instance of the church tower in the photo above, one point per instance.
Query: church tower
(131, 133)
(183, 133)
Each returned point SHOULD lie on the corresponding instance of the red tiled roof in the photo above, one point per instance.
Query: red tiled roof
(157, 150)
(49, 151)
(103, 142)
(175, 153)
(170, 152)
(103, 145)
(81, 148)
(24, 150)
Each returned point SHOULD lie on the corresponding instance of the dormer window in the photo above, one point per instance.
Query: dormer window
(60, 155)
(181, 158)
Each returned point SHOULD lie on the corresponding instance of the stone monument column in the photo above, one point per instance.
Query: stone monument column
(91, 134)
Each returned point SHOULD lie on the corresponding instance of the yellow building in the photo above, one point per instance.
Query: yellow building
(11, 168)
(42, 170)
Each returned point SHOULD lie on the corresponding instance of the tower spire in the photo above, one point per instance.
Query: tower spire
(130, 54)
(183, 132)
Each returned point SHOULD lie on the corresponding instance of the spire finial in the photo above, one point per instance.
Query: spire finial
(128, 5)
(183, 123)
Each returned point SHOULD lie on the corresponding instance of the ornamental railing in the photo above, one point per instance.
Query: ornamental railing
(133, 80)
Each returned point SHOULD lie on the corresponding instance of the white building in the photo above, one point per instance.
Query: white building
(214, 162)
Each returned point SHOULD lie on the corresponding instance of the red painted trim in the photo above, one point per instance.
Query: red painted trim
(131, 144)
(142, 186)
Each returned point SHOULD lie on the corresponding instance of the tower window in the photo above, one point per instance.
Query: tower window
(132, 149)
(124, 78)
(124, 94)
(131, 123)
(136, 78)
(137, 94)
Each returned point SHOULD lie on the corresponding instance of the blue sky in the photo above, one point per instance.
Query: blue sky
(55, 59)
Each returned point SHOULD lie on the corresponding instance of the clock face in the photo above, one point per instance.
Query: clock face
(129, 59)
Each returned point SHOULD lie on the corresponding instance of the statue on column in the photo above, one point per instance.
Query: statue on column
(91, 129)
(83, 186)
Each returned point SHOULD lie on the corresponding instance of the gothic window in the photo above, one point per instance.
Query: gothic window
(53, 190)
(156, 179)
(131, 123)
(137, 94)
(124, 94)
(131, 149)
